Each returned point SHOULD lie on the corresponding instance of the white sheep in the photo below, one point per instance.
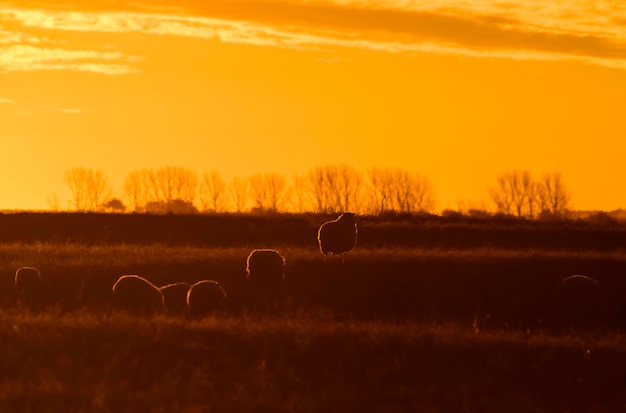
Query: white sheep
(265, 270)
(175, 297)
(29, 287)
(205, 297)
(338, 236)
(135, 293)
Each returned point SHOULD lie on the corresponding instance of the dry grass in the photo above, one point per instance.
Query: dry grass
(68, 255)
(389, 330)
(299, 362)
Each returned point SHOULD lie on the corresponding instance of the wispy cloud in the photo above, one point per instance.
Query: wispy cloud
(593, 32)
(5, 101)
(69, 111)
(31, 58)
(333, 60)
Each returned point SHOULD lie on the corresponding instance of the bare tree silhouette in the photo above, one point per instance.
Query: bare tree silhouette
(162, 190)
(335, 188)
(380, 190)
(298, 194)
(413, 192)
(399, 190)
(322, 189)
(239, 192)
(136, 189)
(268, 191)
(171, 183)
(554, 196)
(213, 194)
(89, 188)
(514, 193)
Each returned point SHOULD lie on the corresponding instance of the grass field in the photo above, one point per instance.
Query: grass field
(299, 362)
(388, 330)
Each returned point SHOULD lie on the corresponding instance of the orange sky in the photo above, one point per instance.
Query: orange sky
(458, 91)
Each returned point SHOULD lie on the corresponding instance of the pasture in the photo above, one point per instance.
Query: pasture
(390, 329)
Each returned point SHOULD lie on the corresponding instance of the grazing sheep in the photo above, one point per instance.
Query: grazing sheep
(580, 304)
(265, 269)
(135, 293)
(205, 297)
(29, 287)
(175, 297)
(338, 236)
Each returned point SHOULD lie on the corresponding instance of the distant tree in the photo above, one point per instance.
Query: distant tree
(398, 190)
(162, 185)
(175, 206)
(349, 182)
(114, 205)
(174, 183)
(88, 187)
(554, 196)
(534, 199)
(298, 194)
(514, 193)
(412, 192)
(335, 188)
(268, 191)
(319, 187)
(213, 192)
(136, 189)
(239, 189)
(380, 190)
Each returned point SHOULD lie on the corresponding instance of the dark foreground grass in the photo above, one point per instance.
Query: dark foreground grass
(113, 362)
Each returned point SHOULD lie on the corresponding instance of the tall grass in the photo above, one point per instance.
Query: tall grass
(299, 362)
(390, 282)
(389, 330)
(53, 254)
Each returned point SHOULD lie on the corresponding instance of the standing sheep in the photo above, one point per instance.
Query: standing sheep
(265, 269)
(135, 293)
(205, 297)
(29, 287)
(338, 236)
(175, 297)
(580, 304)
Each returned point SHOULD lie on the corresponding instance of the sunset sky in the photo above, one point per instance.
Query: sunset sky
(457, 90)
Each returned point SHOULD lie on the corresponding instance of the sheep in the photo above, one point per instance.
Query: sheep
(29, 287)
(580, 304)
(265, 271)
(135, 293)
(175, 297)
(205, 297)
(338, 236)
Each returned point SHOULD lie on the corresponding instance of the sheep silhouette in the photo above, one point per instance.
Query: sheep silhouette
(29, 287)
(265, 270)
(338, 236)
(175, 297)
(136, 294)
(580, 304)
(205, 297)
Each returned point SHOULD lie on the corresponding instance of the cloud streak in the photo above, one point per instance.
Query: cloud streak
(31, 58)
(69, 111)
(590, 32)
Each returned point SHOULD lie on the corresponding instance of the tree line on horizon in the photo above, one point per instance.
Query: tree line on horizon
(322, 189)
